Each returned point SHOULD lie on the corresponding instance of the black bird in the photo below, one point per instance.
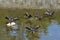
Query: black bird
(33, 29)
(12, 25)
(11, 19)
(28, 15)
(49, 13)
(38, 17)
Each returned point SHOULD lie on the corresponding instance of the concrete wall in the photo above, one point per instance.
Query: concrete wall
(30, 3)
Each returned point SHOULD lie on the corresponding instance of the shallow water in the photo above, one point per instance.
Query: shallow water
(50, 28)
(53, 32)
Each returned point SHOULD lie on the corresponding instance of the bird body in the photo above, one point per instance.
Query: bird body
(37, 17)
(33, 29)
(11, 24)
(28, 15)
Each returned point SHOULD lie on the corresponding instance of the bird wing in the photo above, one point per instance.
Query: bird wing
(7, 17)
(15, 19)
(28, 28)
(37, 27)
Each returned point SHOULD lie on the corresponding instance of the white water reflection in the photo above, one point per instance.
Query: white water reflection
(13, 33)
(53, 32)
(15, 27)
(24, 34)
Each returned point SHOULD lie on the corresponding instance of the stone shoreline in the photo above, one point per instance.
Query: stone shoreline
(33, 4)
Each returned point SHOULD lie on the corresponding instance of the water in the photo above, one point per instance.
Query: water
(13, 33)
(53, 32)
(49, 30)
